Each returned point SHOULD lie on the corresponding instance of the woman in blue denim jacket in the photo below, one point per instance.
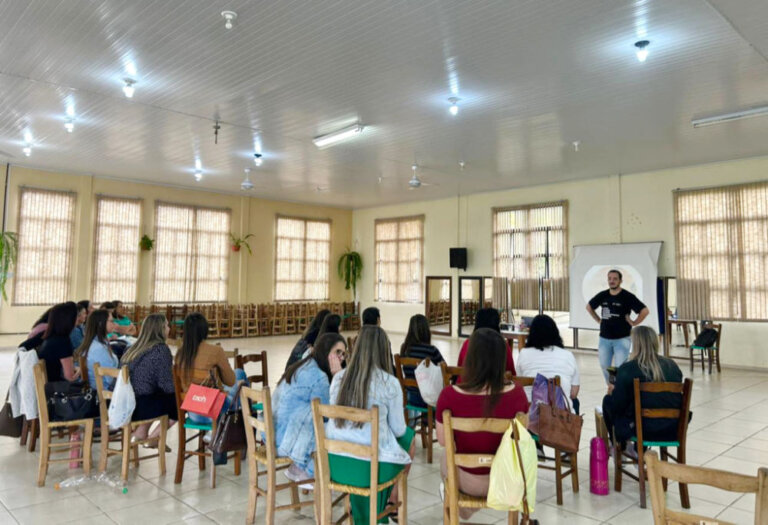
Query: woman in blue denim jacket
(304, 381)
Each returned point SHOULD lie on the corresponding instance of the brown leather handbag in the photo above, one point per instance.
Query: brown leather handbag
(230, 431)
(559, 428)
(9, 426)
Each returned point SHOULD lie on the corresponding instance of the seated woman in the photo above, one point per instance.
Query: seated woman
(150, 366)
(368, 381)
(307, 339)
(418, 344)
(544, 354)
(123, 324)
(304, 381)
(95, 347)
(194, 352)
(57, 348)
(483, 392)
(78, 332)
(488, 318)
(38, 329)
(645, 364)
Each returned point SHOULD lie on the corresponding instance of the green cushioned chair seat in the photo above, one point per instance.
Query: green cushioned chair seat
(416, 409)
(657, 443)
(713, 347)
(188, 423)
(257, 406)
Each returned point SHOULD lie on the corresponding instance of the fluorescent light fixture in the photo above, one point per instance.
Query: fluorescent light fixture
(728, 117)
(69, 125)
(28, 137)
(642, 50)
(338, 136)
(198, 164)
(454, 107)
(128, 88)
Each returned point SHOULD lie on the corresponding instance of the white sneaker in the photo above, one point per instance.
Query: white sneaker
(442, 491)
(295, 473)
(207, 437)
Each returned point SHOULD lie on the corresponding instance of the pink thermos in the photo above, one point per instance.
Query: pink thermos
(598, 467)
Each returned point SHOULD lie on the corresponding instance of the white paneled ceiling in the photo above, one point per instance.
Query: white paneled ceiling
(532, 75)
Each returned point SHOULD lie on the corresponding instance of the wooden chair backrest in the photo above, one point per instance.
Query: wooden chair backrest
(413, 362)
(528, 381)
(82, 364)
(100, 372)
(450, 373)
(327, 446)
(253, 425)
(720, 479)
(681, 413)
(41, 378)
(261, 357)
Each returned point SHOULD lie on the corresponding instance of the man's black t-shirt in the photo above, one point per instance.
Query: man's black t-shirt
(614, 310)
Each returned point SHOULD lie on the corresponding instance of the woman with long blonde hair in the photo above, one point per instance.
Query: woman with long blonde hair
(368, 381)
(646, 364)
(150, 365)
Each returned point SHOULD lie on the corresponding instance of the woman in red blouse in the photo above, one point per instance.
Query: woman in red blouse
(483, 392)
(488, 318)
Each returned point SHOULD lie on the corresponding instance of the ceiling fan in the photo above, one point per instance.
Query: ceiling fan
(415, 181)
(247, 185)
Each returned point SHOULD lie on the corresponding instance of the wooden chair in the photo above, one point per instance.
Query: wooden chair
(454, 498)
(712, 353)
(239, 315)
(289, 318)
(260, 358)
(417, 422)
(127, 446)
(622, 458)
(47, 426)
(82, 369)
(277, 321)
(265, 312)
(560, 474)
(252, 321)
(198, 430)
(224, 320)
(451, 373)
(659, 472)
(264, 452)
(325, 446)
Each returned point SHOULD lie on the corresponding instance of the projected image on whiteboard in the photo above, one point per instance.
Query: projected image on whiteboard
(596, 280)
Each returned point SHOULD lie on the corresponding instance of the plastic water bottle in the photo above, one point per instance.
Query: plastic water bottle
(113, 481)
(74, 481)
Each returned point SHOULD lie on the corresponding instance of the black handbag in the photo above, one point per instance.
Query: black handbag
(68, 401)
(230, 430)
(9, 426)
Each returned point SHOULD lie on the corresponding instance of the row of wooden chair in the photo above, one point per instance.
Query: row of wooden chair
(439, 312)
(249, 320)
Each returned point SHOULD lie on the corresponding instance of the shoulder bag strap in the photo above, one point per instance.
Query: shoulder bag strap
(515, 438)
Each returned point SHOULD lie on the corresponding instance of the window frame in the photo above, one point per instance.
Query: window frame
(306, 220)
(195, 208)
(70, 251)
(98, 198)
(398, 220)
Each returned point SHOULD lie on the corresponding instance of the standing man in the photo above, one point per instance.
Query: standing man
(616, 306)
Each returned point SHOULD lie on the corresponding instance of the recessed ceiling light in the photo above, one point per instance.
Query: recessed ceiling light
(454, 107)
(128, 87)
(257, 159)
(229, 16)
(576, 144)
(27, 151)
(69, 124)
(642, 50)
(338, 136)
(198, 175)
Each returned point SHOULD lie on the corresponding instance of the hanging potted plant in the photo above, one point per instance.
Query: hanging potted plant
(238, 243)
(146, 244)
(9, 248)
(350, 269)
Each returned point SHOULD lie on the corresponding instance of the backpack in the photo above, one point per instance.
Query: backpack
(706, 338)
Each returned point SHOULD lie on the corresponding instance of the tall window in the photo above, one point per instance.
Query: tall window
(46, 233)
(302, 259)
(191, 254)
(531, 242)
(399, 248)
(116, 249)
(721, 240)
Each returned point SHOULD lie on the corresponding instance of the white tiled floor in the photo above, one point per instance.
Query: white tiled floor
(729, 431)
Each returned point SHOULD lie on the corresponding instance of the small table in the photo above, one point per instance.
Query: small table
(516, 336)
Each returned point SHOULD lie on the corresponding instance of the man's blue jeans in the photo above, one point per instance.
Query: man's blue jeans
(616, 350)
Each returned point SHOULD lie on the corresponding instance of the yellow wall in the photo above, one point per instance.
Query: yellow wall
(629, 208)
(250, 277)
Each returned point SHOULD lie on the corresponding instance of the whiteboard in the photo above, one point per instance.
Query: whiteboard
(638, 262)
